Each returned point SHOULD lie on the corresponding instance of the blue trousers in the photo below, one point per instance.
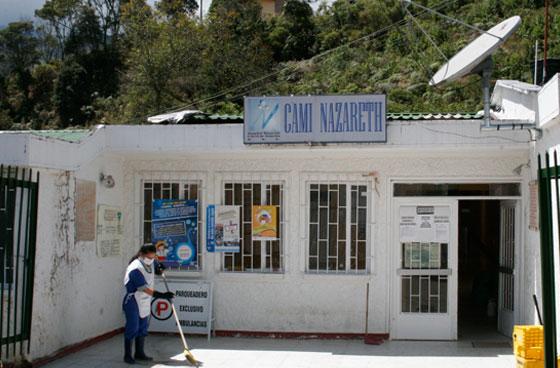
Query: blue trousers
(134, 325)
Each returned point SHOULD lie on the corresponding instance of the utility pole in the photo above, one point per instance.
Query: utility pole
(201, 10)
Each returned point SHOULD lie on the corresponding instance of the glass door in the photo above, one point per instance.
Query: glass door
(425, 270)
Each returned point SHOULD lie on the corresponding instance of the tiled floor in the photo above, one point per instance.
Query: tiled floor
(225, 352)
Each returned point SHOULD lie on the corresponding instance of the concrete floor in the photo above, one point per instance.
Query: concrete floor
(226, 352)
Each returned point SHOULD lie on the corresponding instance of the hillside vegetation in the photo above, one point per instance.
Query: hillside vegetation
(87, 62)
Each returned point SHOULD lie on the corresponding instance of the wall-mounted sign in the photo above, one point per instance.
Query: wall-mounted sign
(424, 224)
(109, 231)
(222, 228)
(265, 222)
(174, 231)
(308, 119)
(193, 303)
(534, 205)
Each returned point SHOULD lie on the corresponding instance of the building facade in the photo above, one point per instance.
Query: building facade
(435, 223)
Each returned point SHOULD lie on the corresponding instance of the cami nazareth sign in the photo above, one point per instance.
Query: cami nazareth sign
(308, 119)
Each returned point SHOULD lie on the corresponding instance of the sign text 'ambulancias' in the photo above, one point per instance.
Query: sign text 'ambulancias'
(308, 119)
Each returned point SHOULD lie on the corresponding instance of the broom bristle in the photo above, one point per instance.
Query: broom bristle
(191, 358)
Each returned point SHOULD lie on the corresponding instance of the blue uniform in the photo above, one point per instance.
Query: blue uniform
(136, 303)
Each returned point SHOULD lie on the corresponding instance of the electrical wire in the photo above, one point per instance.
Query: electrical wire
(375, 34)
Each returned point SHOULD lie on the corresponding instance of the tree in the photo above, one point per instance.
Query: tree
(59, 16)
(237, 51)
(18, 54)
(18, 47)
(292, 35)
(163, 62)
(175, 8)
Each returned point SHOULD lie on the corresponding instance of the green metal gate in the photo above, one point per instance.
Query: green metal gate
(549, 211)
(19, 190)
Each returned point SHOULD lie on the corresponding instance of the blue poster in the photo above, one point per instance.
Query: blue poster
(174, 231)
(223, 228)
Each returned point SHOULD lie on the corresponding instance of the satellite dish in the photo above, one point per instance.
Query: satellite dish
(476, 52)
(476, 57)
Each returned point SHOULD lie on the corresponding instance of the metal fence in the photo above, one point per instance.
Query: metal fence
(18, 223)
(549, 210)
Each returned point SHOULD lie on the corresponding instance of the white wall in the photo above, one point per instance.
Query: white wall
(77, 295)
(296, 301)
(549, 141)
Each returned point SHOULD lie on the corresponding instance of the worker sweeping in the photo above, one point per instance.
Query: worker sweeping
(139, 285)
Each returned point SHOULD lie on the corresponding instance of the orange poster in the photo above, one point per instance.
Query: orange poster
(265, 223)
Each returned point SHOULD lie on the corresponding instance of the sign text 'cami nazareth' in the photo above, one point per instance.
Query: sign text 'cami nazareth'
(309, 119)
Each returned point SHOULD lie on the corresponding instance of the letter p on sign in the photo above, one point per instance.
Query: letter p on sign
(161, 309)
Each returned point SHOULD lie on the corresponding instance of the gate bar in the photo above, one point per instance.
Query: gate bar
(3, 194)
(547, 265)
(23, 322)
(32, 252)
(16, 258)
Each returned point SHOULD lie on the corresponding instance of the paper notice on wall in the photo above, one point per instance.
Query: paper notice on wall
(424, 224)
(109, 231)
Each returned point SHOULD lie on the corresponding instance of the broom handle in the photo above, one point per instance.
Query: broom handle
(175, 315)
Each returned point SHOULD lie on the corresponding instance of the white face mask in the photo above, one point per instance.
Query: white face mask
(148, 261)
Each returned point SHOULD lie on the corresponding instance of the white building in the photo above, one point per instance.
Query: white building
(343, 224)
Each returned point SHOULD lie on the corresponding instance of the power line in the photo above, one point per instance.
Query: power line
(297, 64)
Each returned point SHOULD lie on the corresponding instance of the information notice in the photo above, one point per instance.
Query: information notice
(193, 303)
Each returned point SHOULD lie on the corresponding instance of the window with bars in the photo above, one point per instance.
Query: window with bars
(424, 278)
(172, 189)
(255, 255)
(338, 235)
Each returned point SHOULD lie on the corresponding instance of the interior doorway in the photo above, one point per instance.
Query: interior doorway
(486, 262)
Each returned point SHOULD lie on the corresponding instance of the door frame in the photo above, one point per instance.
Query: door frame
(453, 277)
(516, 280)
(391, 210)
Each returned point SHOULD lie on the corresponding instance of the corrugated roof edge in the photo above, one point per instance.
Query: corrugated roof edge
(390, 116)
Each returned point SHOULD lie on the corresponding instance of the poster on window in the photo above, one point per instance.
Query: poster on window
(174, 231)
(265, 223)
(223, 225)
(109, 231)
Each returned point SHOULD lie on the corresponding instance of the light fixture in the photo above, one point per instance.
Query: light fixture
(106, 180)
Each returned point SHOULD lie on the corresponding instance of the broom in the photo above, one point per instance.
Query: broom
(188, 355)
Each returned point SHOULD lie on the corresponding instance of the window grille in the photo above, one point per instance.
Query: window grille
(424, 277)
(255, 255)
(154, 187)
(338, 227)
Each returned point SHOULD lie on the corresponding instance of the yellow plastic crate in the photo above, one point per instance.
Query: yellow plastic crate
(530, 363)
(528, 342)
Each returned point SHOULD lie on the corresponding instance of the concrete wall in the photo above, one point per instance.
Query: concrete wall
(300, 302)
(77, 294)
(549, 142)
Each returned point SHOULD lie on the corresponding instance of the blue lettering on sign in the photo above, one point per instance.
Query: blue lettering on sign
(339, 117)
(298, 118)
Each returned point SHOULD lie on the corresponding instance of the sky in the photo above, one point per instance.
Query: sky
(14, 10)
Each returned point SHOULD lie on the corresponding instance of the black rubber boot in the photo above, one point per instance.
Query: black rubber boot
(128, 352)
(139, 353)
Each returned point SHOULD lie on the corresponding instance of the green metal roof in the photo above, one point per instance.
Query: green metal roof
(74, 135)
